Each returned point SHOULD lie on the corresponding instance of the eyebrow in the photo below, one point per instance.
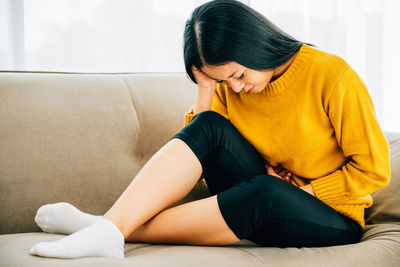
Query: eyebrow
(228, 77)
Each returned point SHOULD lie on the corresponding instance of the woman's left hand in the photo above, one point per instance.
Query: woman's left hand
(308, 188)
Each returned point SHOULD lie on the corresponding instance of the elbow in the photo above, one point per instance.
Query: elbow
(385, 176)
(383, 170)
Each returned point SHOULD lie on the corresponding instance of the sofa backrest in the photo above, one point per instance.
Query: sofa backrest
(386, 206)
(80, 138)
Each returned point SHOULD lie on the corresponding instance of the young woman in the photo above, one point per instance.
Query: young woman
(284, 134)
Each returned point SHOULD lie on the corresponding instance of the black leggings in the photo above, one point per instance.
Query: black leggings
(257, 206)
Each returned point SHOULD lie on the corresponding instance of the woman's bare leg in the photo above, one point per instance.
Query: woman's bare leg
(165, 179)
(198, 223)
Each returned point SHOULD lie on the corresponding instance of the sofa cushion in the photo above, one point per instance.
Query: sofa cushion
(386, 207)
(380, 246)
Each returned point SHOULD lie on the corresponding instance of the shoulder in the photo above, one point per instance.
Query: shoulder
(328, 65)
(328, 72)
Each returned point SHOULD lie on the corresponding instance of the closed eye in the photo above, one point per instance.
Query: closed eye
(239, 78)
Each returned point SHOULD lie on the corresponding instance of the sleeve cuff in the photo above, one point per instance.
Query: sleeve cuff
(189, 116)
(329, 187)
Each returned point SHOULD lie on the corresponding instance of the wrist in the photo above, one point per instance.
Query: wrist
(308, 188)
(206, 90)
(204, 100)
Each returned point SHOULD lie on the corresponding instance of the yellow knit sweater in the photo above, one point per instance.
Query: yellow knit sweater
(317, 120)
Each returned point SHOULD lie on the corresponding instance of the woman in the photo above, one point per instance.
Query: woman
(284, 134)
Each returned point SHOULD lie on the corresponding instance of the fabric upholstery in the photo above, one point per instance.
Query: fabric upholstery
(80, 138)
(379, 247)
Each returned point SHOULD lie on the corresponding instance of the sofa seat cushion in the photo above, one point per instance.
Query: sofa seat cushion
(379, 246)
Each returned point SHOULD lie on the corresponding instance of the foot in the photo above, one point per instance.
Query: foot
(101, 239)
(63, 218)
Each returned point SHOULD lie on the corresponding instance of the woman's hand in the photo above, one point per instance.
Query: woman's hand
(279, 172)
(203, 80)
(284, 174)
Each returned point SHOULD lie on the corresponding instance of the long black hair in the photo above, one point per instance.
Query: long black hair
(223, 31)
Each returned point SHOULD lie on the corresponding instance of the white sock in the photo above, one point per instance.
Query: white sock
(63, 218)
(101, 239)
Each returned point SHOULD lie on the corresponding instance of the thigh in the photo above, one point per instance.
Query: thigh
(226, 156)
(283, 215)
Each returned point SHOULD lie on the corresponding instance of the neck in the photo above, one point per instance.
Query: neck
(281, 69)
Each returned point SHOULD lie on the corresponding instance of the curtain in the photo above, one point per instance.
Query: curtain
(146, 36)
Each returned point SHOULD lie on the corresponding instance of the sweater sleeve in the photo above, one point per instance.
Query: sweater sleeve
(357, 131)
(218, 104)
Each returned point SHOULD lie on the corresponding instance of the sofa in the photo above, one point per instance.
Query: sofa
(81, 138)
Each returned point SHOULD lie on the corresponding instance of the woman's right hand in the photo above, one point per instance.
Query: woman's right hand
(203, 80)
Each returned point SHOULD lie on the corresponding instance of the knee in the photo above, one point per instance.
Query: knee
(205, 133)
(211, 117)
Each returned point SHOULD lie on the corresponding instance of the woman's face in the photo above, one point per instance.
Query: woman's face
(240, 78)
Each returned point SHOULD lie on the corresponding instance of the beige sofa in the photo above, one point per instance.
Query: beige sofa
(81, 138)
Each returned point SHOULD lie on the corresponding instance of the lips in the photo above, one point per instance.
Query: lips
(250, 90)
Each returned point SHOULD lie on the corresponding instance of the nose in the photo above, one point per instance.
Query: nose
(236, 85)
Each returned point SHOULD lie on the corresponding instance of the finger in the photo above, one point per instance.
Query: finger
(278, 168)
(270, 171)
(286, 178)
(283, 173)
